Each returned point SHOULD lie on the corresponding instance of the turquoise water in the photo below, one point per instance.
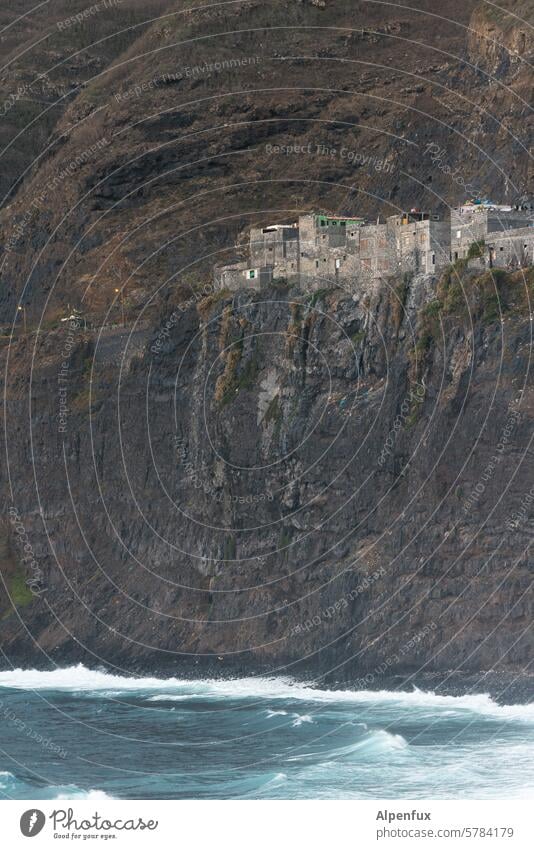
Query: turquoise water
(76, 733)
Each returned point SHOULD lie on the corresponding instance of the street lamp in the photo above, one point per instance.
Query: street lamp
(118, 292)
(23, 311)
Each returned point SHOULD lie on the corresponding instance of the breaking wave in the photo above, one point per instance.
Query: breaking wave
(269, 738)
(79, 679)
(16, 788)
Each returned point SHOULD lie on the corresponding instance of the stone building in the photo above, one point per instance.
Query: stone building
(328, 250)
(319, 251)
(513, 248)
(420, 242)
(503, 235)
(241, 274)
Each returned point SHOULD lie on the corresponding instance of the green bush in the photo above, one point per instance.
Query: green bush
(20, 593)
(476, 249)
(433, 309)
(274, 411)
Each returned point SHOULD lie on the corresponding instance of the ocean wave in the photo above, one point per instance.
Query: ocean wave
(80, 680)
(252, 786)
(17, 788)
(298, 719)
(268, 782)
(170, 697)
(379, 742)
(371, 744)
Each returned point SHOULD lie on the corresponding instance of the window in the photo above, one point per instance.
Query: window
(458, 234)
(317, 263)
(251, 274)
(501, 249)
(334, 223)
(343, 223)
(302, 253)
(324, 237)
(324, 259)
(323, 223)
(433, 259)
(338, 263)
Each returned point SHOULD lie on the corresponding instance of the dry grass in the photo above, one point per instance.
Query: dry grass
(226, 381)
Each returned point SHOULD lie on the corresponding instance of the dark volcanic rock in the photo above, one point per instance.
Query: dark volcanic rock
(280, 482)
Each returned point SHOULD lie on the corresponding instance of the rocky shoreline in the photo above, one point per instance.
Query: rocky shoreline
(504, 687)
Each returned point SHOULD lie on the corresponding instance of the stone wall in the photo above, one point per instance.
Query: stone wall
(419, 247)
(512, 249)
(477, 224)
(239, 276)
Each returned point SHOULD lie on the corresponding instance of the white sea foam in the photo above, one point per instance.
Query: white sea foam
(174, 698)
(299, 720)
(374, 743)
(257, 786)
(74, 792)
(17, 788)
(79, 679)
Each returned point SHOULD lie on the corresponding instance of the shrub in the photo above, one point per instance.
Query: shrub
(433, 309)
(274, 412)
(476, 249)
(20, 593)
(225, 385)
(205, 306)
(399, 297)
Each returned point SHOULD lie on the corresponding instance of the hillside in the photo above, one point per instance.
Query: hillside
(157, 163)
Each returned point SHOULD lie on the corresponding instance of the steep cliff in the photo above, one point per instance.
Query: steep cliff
(500, 39)
(328, 483)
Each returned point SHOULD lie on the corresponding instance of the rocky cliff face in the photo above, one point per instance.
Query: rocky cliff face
(499, 42)
(330, 483)
(338, 483)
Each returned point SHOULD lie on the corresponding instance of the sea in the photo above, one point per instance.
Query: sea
(77, 733)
